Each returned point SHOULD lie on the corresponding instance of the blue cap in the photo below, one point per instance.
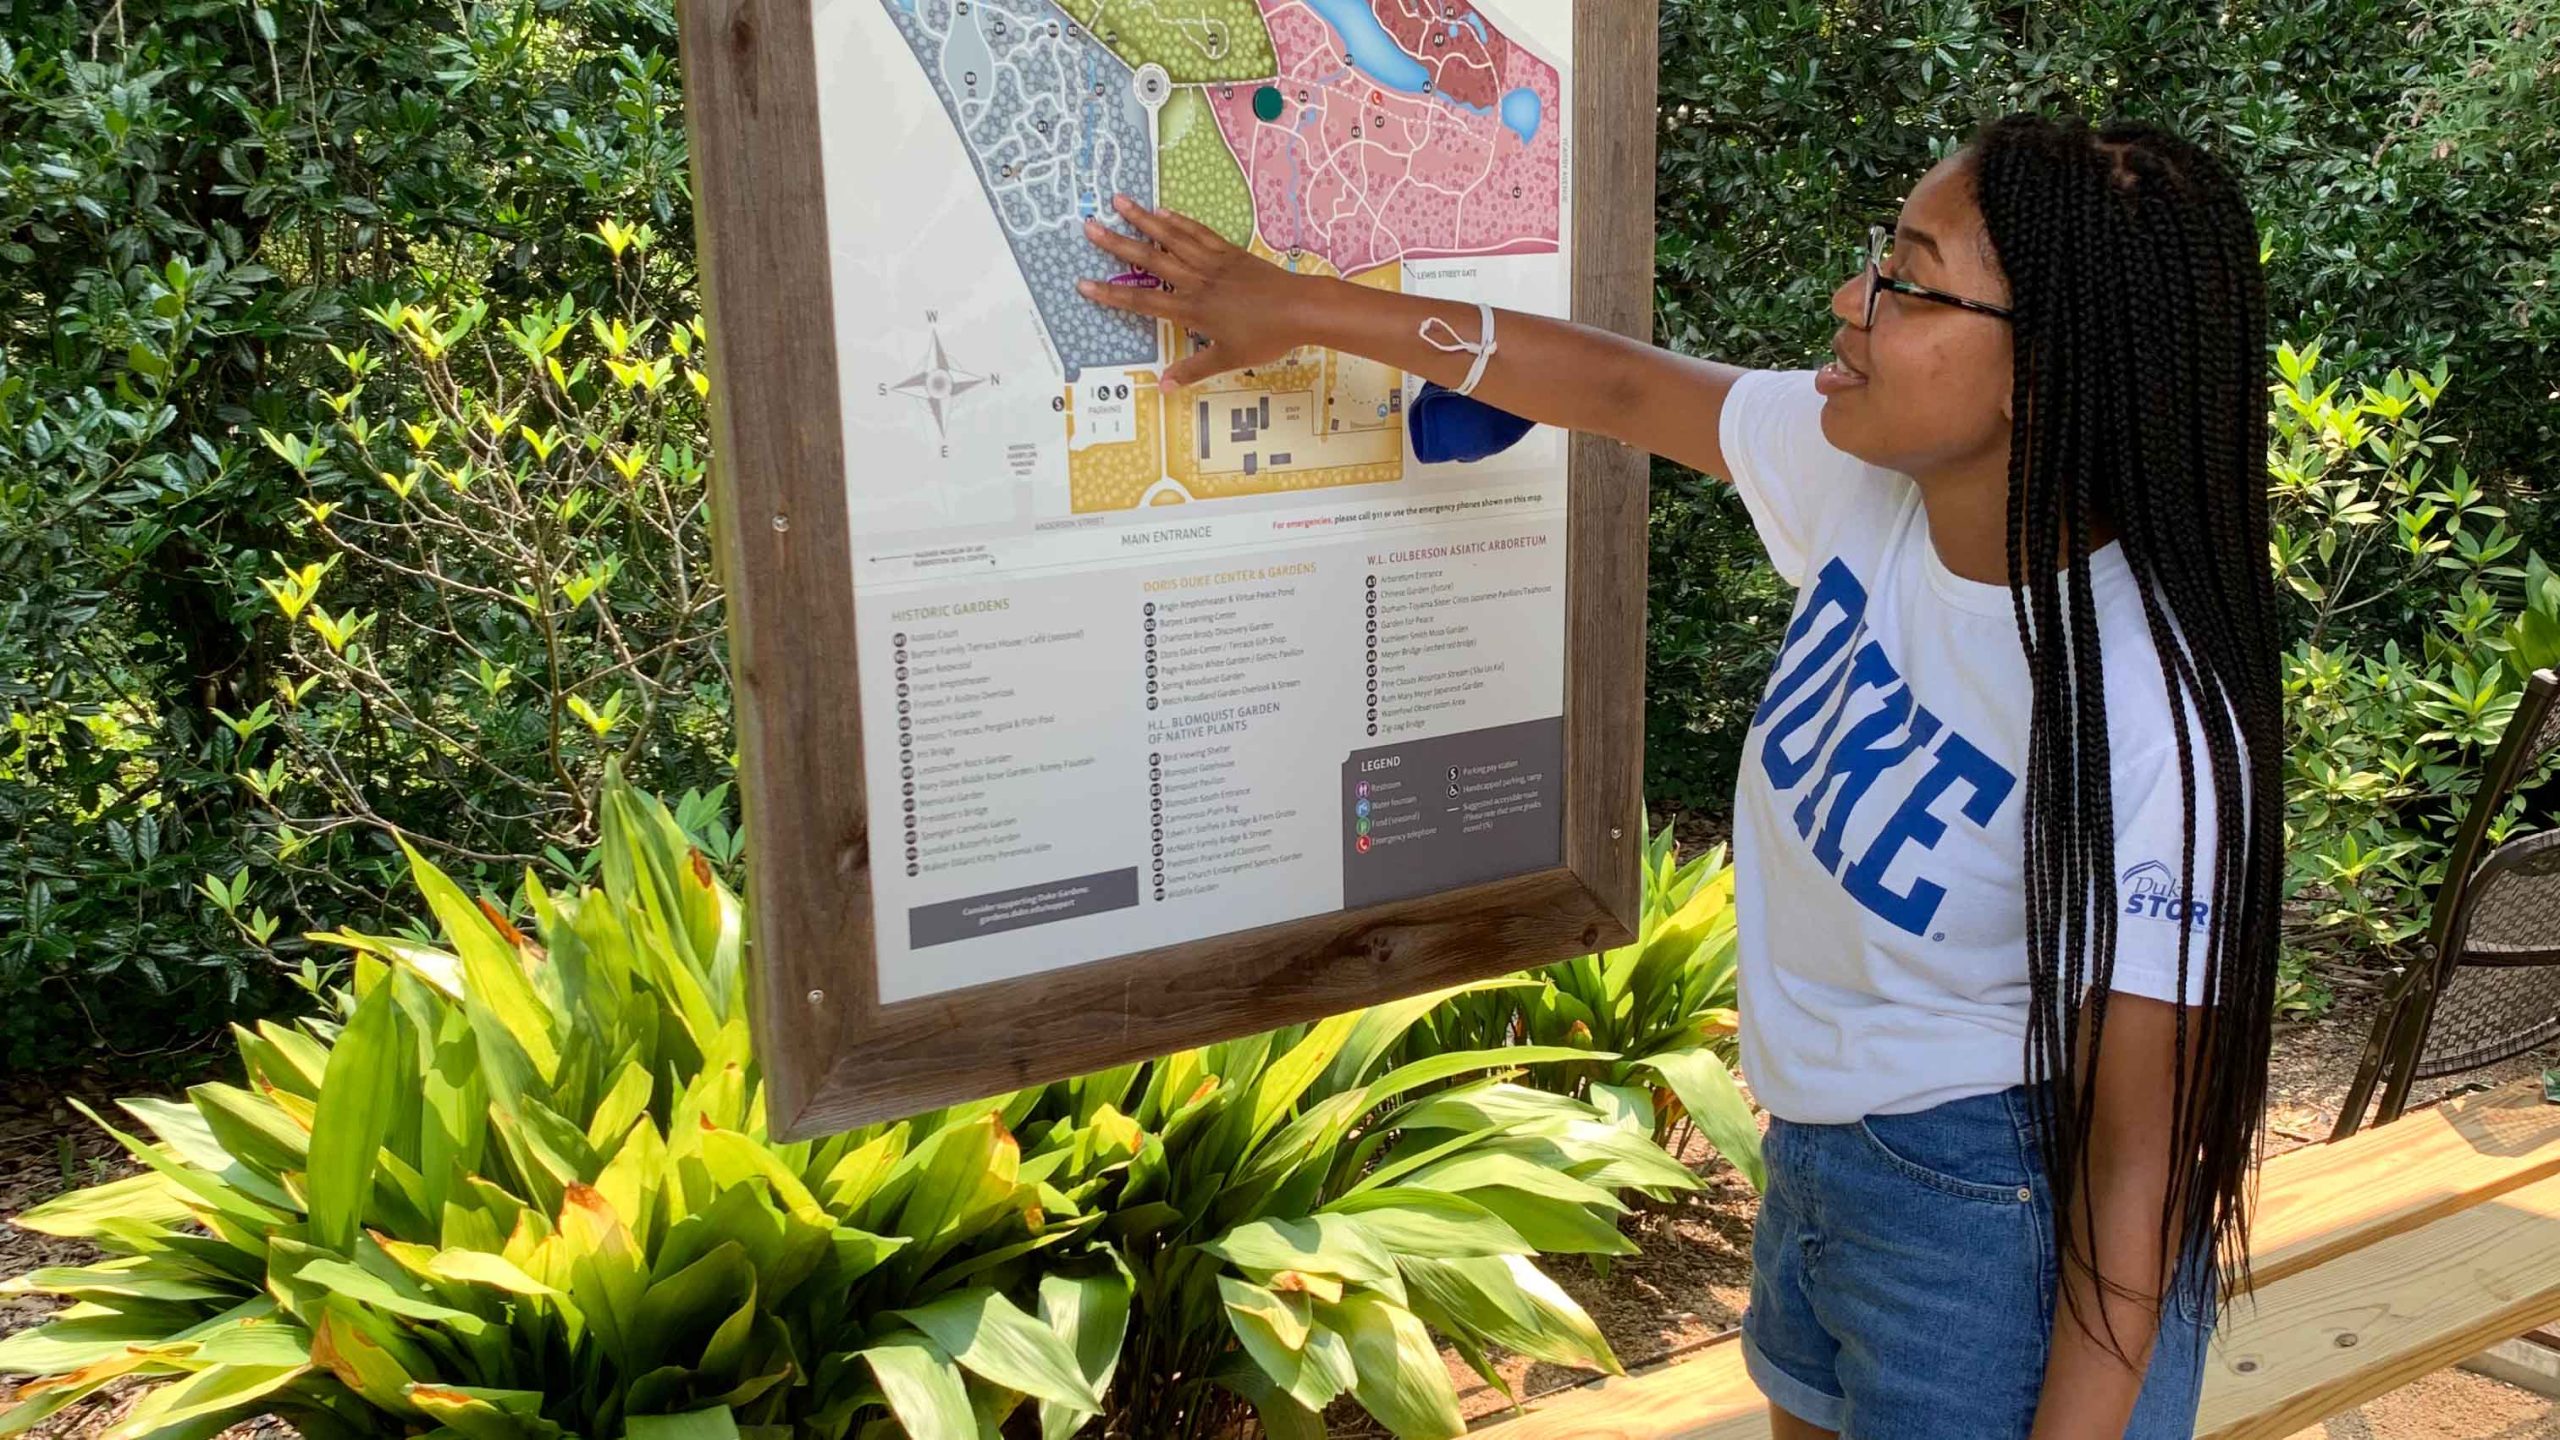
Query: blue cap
(1450, 428)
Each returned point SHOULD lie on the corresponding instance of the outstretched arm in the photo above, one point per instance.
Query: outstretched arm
(1251, 312)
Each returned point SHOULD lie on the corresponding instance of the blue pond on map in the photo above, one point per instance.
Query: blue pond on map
(1373, 51)
(1053, 125)
(1522, 110)
(1376, 54)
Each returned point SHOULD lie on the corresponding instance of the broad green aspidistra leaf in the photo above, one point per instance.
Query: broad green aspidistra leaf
(358, 1094)
(990, 1336)
(1706, 1088)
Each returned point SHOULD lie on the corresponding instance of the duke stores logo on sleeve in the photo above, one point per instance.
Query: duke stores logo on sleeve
(2150, 892)
(1805, 754)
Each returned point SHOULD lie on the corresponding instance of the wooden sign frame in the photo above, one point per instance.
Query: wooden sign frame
(831, 1054)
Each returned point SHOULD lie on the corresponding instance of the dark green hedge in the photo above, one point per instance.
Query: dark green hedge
(2403, 159)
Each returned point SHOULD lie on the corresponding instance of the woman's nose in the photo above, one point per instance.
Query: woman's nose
(1845, 301)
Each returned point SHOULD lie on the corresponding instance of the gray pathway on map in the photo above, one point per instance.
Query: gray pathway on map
(1053, 124)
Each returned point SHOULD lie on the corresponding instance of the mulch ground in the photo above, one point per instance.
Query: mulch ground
(46, 1148)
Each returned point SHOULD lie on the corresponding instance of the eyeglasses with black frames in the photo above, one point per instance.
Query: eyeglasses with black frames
(1879, 248)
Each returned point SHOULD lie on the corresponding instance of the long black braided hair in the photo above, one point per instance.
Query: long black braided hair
(2141, 408)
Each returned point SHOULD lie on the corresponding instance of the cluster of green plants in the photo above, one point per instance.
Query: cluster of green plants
(2399, 156)
(2422, 616)
(1650, 1026)
(495, 588)
(204, 207)
(230, 232)
(520, 1185)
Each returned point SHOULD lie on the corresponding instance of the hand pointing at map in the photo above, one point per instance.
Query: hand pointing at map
(1237, 302)
(1248, 311)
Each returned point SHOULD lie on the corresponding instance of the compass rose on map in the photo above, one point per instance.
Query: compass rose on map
(937, 382)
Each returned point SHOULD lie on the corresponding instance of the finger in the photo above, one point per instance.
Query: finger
(1136, 299)
(1138, 254)
(1128, 248)
(1201, 364)
(1156, 225)
(1209, 241)
(1187, 240)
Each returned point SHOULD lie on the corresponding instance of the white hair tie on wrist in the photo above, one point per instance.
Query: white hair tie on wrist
(1482, 348)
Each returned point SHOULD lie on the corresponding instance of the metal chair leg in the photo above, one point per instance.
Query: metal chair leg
(2400, 1055)
(2378, 1048)
(2351, 1110)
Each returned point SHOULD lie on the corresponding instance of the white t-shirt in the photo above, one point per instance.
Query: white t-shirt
(1879, 848)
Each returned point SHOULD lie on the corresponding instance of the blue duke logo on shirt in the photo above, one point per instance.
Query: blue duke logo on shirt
(1832, 774)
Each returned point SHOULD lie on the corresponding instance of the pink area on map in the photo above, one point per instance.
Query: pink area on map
(1364, 176)
(1464, 52)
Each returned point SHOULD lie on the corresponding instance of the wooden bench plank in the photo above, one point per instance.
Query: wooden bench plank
(1704, 1396)
(2335, 1336)
(2325, 1200)
(2459, 1207)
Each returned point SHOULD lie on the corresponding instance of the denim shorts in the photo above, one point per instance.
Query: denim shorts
(1905, 1272)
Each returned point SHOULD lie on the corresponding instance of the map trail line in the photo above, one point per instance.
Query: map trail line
(1340, 137)
(1054, 127)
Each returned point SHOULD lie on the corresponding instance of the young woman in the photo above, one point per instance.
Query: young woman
(2007, 910)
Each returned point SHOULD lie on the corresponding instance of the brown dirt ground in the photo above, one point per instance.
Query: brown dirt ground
(46, 1148)
(1688, 1286)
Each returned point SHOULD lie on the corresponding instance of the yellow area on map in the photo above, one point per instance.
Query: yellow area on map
(1313, 420)
(1117, 475)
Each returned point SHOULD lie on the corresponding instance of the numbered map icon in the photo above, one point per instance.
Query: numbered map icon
(1355, 133)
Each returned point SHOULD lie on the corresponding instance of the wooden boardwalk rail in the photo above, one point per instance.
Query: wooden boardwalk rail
(2380, 1258)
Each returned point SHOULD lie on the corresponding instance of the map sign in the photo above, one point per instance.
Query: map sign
(1142, 666)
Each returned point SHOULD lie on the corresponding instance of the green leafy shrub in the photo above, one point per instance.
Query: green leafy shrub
(498, 585)
(522, 1187)
(2408, 189)
(197, 202)
(2421, 617)
(1650, 1026)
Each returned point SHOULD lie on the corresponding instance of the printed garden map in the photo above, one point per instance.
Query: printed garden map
(1403, 144)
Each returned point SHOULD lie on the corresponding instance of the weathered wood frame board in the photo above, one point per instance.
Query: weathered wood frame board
(832, 1055)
